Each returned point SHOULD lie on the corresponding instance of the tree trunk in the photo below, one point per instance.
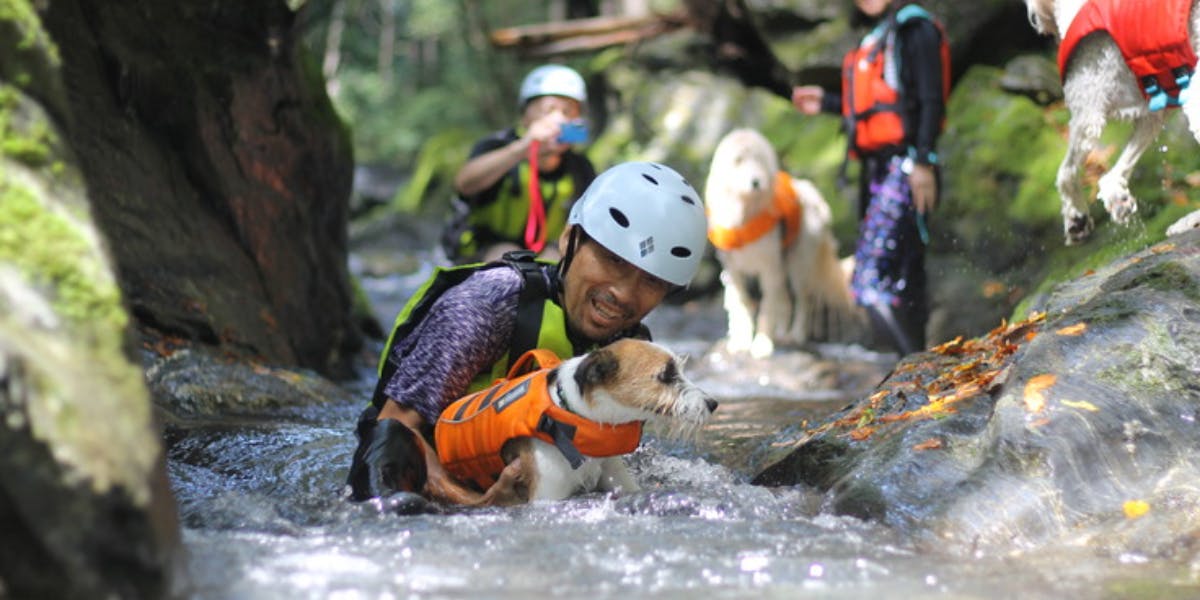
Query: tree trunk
(738, 46)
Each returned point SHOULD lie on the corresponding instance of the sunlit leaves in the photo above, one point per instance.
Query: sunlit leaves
(1135, 508)
(1035, 399)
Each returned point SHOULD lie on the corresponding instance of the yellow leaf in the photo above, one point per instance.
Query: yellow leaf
(1035, 402)
(1136, 508)
(1075, 329)
(1081, 404)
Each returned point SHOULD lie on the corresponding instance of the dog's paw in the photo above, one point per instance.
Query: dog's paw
(1187, 223)
(1120, 206)
(762, 346)
(1078, 228)
(737, 344)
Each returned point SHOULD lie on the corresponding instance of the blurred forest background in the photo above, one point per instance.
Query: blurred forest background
(418, 81)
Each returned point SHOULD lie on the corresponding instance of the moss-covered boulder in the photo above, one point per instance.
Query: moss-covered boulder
(1076, 426)
(84, 504)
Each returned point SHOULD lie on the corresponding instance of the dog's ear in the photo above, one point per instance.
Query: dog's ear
(596, 368)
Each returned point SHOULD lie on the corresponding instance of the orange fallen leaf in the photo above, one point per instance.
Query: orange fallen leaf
(1035, 401)
(1089, 272)
(861, 433)
(929, 444)
(1075, 329)
(1160, 248)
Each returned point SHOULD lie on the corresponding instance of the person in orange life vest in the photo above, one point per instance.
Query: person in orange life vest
(517, 186)
(893, 101)
(638, 231)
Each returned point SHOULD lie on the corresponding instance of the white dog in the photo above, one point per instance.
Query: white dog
(569, 424)
(1098, 86)
(772, 229)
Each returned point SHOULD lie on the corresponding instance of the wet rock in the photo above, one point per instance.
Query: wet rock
(85, 508)
(1078, 424)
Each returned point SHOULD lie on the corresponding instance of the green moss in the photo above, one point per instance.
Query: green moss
(23, 137)
(52, 254)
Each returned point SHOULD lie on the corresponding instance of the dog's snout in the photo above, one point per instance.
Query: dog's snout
(711, 404)
(755, 184)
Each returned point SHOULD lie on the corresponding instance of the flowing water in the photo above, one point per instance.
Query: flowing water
(263, 515)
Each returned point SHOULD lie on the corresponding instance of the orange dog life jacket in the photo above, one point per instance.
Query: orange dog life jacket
(471, 432)
(1152, 36)
(783, 208)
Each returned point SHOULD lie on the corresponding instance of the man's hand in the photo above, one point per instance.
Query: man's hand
(924, 188)
(807, 98)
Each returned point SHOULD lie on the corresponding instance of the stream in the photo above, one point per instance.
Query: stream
(263, 516)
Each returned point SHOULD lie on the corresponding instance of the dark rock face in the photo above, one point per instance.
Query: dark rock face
(1070, 424)
(218, 172)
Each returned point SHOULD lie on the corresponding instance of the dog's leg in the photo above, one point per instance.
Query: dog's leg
(737, 308)
(1085, 126)
(1114, 185)
(615, 476)
(1191, 111)
(775, 312)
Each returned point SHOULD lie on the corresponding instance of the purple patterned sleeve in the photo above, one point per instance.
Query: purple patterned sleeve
(465, 331)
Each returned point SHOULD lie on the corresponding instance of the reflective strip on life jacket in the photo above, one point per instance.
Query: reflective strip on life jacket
(784, 208)
(1152, 36)
(472, 431)
(871, 102)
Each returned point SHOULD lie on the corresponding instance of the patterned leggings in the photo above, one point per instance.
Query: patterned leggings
(889, 267)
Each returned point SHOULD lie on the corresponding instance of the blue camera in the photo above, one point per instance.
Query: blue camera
(573, 132)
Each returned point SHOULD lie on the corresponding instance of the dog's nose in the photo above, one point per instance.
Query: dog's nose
(711, 404)
(755, 184)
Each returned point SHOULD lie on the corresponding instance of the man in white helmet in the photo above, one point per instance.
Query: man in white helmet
(637, 233)
(516, 188)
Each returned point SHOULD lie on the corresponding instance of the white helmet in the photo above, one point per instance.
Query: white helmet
(647, 214)
(552, 80)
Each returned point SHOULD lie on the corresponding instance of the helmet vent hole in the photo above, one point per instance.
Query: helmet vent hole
(650, 179)
(689, 200)
(680, 252)
(619, 217)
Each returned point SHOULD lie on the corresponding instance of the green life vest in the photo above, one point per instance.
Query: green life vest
(503, 219)
(540, 321)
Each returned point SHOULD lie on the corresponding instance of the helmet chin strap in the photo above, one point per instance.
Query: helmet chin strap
(573, 241)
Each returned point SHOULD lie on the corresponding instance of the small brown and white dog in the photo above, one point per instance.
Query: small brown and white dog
(571, 423)
(773, 229)
(1099, 86)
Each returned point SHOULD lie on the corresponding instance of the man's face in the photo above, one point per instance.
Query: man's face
(604, 294)
(565, 109)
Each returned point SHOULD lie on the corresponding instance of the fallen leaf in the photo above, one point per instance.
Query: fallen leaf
(1135, 508)
(1035, 401)
(1161, 248)
(929, 444)
(1081, 404)
(1089, 272)
(1076, 329)
(861, 433)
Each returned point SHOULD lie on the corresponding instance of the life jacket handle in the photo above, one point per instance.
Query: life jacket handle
(533, 360)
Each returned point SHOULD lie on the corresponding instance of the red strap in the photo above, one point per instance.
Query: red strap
(535, 224)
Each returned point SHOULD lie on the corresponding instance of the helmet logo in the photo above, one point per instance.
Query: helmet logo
(646, 246)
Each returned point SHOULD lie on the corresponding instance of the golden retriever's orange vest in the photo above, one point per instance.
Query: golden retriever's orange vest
(1152, 36)
(783, 208)
(871, 106)
(471, 431)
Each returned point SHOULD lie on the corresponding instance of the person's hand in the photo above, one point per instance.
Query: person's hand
(545, 131)
(807, 98)
(924, 187)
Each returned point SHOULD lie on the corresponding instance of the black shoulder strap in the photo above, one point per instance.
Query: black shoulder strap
(534, 293)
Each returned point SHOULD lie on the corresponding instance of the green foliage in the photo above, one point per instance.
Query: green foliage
(439, 160)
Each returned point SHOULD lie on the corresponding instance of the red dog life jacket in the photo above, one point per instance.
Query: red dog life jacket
(471, 432)
(1152, 36)
(871, 105)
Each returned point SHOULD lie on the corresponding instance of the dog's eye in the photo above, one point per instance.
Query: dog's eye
(669, 374)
